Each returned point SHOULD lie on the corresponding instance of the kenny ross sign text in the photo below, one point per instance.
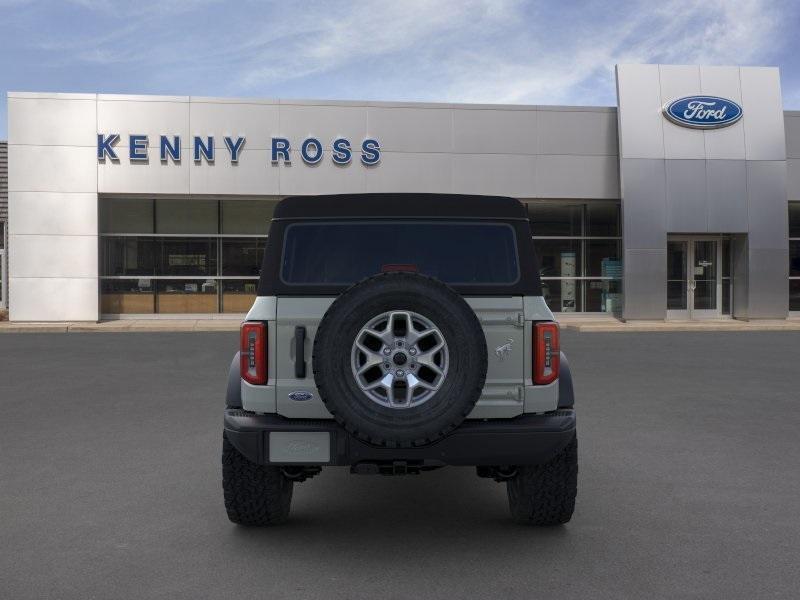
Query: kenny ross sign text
(169, 148)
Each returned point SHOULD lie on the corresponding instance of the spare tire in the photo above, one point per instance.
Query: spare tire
(399, 359)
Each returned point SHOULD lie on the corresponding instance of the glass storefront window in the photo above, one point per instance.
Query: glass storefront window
(184, 215)
(242, 217)
(559, 258)
(794, 258)
(128, 256)
(727, 265)
(599, 253)
(180, 253)
(185, 247)
(603, 295)
(238, 295)
(126, 215)
(242, 256)
(188, 256)
(794, 219)
(186, 296)
(794, 294)
(602, 219)
(555, 219)
(580, 241)
(127, 296)
(563, 295)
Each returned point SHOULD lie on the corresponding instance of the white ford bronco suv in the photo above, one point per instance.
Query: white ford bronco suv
(399, 333)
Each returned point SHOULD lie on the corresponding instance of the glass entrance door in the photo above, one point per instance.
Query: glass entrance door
(693, 278)
(677, 279)
(704, 278)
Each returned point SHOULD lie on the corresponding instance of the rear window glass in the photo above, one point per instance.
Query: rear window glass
(341, 253)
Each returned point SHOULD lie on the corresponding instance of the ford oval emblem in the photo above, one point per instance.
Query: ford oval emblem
(703, 112)
(300, 396)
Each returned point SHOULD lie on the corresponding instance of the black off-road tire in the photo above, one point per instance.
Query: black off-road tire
(254, 494)
(418, 425)
(545, 494)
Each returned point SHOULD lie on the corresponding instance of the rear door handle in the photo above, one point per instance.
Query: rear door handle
(300, 352)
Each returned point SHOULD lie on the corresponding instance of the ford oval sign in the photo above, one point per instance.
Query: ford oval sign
(300, 396)
(703, 112)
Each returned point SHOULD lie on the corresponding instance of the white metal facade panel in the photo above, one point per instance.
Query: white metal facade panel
(764, 132)
(492, 131)
(256, 121)
(414, 130)
(53, 246)
(251, 175)
(326, 123)
(486, 173)
(150, 177)
(152, 118)
(53, 213)
(641, 132)
(52, 298)
(53, 256)
(728, 142)
(729, 180)
(52, 121)
(679, 81)
(52, 169)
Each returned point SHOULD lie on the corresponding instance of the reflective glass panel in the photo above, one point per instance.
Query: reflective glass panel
(705, 275)
(562, 295)
(602, 219)
(555, 219)
(186, 296)
(558, 258)
(242, 256)
(676, 276)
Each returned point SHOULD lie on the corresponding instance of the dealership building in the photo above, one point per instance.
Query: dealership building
(681, 202)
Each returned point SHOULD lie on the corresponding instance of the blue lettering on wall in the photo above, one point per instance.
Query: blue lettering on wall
(137, 145)
(173, 150)
(341, 152)
(234, 147)
(105, 146)
(370, 152)
(207, 149)
(311, 151)
(280, 149)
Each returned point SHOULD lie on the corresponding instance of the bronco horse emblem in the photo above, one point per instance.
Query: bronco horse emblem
(505, 350)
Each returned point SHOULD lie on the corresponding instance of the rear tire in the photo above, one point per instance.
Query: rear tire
(254, 494)
(346, 400)
(545, 494)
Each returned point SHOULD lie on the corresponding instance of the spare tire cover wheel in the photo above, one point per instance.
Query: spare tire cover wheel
(400, 359)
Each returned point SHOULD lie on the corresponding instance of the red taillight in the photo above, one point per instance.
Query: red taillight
(546, 352)
(253, 352)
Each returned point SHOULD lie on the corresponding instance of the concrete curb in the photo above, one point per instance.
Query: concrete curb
(177, 325)
(676, 326)
(221, 325)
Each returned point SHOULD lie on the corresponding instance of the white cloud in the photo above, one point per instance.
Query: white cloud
(450, 50)
(680, 32)
(319, 42)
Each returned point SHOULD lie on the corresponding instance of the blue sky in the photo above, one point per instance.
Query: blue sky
(438, 50)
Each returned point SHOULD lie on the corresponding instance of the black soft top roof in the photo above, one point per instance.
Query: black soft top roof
(400, 205)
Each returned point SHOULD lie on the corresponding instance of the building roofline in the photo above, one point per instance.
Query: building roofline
(300, 102)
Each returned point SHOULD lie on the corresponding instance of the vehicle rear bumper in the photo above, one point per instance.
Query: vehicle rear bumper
(524, 440)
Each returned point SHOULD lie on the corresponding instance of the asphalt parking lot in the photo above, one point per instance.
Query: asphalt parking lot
(688, 485)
